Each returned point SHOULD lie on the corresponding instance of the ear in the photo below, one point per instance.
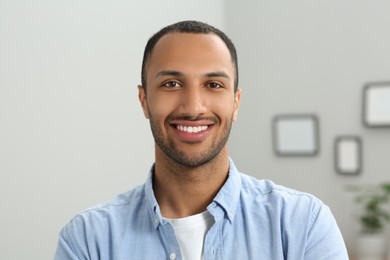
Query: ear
(143, 100)
(237, 99)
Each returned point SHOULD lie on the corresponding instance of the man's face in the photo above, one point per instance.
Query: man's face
(190, 99)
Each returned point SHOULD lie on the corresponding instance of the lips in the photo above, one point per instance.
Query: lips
(191, 131)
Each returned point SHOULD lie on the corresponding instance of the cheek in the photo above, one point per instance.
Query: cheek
(220, 107)
(160, 108)
(224, 108)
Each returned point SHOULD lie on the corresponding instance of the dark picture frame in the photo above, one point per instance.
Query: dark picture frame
(296, 135)
(376, 104)
(348, 155)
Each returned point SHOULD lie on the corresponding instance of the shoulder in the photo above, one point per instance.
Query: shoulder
(127, 199)
(108, 213)
(274, 197)
(264, 187)
(93, 231)
(296, 211)
(303, 221)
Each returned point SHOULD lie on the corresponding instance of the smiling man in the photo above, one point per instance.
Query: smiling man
(195, 204)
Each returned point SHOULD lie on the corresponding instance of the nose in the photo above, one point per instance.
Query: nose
(193, 101)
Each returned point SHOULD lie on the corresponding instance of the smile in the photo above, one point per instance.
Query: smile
(192, 129)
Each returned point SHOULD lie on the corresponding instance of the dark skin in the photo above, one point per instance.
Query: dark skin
(191, 104)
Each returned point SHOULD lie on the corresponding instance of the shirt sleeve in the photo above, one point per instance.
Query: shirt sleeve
(325, 241)
(65, 250)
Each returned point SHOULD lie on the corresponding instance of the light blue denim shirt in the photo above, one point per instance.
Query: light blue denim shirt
(254, 219)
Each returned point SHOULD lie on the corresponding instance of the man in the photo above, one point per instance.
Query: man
(195, 204)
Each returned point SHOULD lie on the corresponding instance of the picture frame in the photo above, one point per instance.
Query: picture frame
(376, 104)
(296, 135)
(348, 155)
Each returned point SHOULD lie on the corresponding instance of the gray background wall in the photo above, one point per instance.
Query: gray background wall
(73, 134)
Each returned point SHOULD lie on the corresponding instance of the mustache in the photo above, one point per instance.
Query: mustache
(192, 118)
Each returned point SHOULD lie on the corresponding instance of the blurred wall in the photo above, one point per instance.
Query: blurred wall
(72, 131)
(310, 57)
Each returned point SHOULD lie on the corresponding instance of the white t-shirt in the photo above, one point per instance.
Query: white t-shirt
(190, 232)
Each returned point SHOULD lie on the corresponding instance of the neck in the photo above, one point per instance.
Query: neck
(183, 191)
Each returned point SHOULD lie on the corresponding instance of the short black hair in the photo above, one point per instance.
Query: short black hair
(189, 27)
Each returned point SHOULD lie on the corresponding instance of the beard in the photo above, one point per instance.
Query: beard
(171, 150)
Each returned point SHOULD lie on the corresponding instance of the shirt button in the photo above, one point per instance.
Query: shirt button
(172, 256)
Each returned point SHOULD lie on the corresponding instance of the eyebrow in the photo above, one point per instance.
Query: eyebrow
(169, 73)
(174, 73)
(218, 74)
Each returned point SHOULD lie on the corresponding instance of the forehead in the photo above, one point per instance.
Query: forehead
(189, 50)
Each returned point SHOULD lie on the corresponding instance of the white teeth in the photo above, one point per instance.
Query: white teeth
(192, 129)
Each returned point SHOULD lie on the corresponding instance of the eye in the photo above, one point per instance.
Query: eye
(171, 84)
(214, 85)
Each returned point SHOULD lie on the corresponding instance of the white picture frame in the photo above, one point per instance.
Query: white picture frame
(376, 104)
(296, 135)
(348, 155)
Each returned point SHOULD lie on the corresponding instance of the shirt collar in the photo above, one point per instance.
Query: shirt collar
(229, 195)
(151, 202)
(227, 198)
